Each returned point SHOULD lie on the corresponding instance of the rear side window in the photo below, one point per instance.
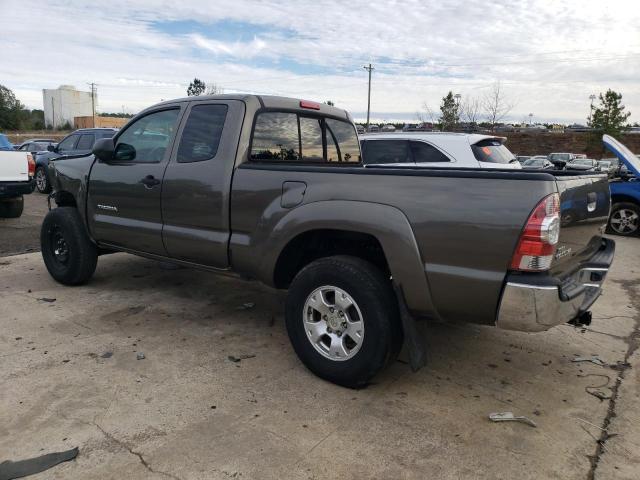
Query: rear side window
(202, 133)
(492, 151)
(346, 139)
(386, 151)
(425, 153)
(275, 137)
(85, 142)
(289, 137)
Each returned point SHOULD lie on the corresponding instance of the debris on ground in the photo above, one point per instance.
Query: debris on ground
(48, 300)
(246, 306)
(140, 356)
(106, 355)
(31, 466)
(510, 417)
(239, 358)
(592, 359)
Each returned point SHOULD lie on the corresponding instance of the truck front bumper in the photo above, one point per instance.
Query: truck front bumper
(533, 303)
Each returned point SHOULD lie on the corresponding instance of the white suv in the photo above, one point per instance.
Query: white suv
(434, 149)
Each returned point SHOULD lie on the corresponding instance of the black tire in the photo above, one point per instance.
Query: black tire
(632, 228)
(376, 300)
(68, 253)
(42, 180)
(11, 207)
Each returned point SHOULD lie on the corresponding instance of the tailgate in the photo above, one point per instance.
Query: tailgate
(584, 209)
(14, 167)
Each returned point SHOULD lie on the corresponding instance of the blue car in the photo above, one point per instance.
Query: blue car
(76, 143)
(625, 192)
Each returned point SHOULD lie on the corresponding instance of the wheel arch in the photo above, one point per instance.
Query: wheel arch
(383, 231)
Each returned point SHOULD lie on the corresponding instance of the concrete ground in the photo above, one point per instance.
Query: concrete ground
(22, 235)
(69, 376)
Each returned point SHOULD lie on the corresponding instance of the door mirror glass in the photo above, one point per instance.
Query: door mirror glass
(125, 153)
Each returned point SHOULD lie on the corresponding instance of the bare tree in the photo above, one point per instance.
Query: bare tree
(427, 115)
(214, 89)
(495, 105)
(470, 110)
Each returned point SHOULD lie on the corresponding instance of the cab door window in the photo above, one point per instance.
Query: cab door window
(68, 143)
(146, 140)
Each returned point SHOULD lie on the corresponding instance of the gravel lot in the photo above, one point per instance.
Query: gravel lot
(69, 376)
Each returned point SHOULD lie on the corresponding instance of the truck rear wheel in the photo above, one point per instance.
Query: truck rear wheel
(11, 207)
(342, 319)
(624, 219)
(68, 253)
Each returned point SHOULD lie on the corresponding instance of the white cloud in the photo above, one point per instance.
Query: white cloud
(549, 55)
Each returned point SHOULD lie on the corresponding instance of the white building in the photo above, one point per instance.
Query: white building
(64, 103)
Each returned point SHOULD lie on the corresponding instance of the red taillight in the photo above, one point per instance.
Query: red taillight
(539, 238)
(310, 105)
(32, 165)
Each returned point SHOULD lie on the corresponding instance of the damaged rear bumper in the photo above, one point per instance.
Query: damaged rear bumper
(533, 303)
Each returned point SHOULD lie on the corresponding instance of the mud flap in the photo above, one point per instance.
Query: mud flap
(412, 338)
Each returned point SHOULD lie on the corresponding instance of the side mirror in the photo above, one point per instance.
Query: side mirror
(52, 148)
(104, 149)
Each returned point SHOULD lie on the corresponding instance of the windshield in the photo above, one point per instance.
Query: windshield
(493, 151)
(623, 153)
(560, 156)
(5, 144)
(582, 162)
(532, 162)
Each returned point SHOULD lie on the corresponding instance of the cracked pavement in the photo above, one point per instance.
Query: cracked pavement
(187, 412)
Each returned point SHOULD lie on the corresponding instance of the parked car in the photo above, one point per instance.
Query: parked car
(273, 188)
(374, 128)
(625, 191)
(441, 149)
(583, 164)
(608, 167)
(35, 145)
(505, 128)
(388, 128)
(577, 127)
(16, 178)
(79, 142)
(633, 131)
(360, 129)
(560, 159)
(538, 164)
(522, 158)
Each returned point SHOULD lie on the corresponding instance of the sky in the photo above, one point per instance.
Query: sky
(548, 56)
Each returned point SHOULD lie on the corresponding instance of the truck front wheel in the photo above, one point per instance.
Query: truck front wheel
(11, 207)
(68, 253)
(342, 319)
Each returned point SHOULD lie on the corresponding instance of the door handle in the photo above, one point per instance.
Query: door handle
(150, 181)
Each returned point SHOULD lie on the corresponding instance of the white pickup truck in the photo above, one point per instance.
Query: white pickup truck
(16, 178)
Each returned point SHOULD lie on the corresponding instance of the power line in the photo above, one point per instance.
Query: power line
(93, 102)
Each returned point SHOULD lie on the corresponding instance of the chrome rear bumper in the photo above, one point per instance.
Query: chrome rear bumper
(534, 304)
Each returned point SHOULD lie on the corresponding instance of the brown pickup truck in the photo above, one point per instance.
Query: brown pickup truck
(274, 189)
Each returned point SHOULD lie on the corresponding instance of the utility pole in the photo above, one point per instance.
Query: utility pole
(93, 102)
(369, 68)
(53, 114)
(592, 97)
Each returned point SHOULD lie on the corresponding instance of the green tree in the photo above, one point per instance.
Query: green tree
(197, 87)
(609, 117)
(10, 110)
(449, 116)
